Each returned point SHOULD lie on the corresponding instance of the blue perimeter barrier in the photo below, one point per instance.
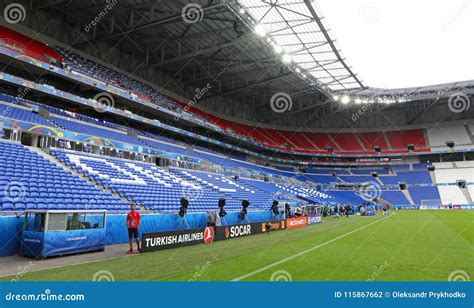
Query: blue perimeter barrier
(11, 226)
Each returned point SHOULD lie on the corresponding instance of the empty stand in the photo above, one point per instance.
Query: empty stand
(439, 134)
(29, 181)
(451, 194)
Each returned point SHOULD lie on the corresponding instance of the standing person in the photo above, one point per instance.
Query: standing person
(133, 224)
(348, 210)
(298, 211)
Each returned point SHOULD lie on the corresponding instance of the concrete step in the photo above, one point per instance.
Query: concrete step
(408, 196)
(468, 196)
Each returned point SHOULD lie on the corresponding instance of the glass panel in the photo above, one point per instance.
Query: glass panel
(56, 222)
(35, 222)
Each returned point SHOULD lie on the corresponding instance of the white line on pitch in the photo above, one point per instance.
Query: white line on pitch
(306, 251)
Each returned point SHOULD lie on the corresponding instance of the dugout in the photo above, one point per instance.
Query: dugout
(49, 233)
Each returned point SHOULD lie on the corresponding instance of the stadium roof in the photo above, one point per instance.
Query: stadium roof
(403, 43)
(297, 30)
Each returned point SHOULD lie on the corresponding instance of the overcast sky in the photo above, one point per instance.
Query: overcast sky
(404, 43)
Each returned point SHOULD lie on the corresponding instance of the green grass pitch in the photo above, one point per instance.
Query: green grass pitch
(404, 246)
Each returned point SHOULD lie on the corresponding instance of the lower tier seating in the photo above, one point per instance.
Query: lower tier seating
(29, 181)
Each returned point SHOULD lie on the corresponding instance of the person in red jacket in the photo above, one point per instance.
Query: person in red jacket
(133, 224)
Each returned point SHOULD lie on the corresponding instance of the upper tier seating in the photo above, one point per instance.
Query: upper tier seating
(408, 177)
(450, 176)
(23, 114)
(28, 181)
(321, 179)
(372, 139)
(28, 46)
(438, 135)
(357, 178)
(78, 127)
(368, 171)
(347, 141)
(120, 80)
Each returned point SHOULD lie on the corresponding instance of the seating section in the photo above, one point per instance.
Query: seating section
(419, 193)
(438, 135)
(23, 115)
(28, 46)
(346, 196)
(368, 171)
(400, 139)
(407, 177)
(161, 189)
(450, 176)
(214, 186)
(322, 179)
(451, 194)
(395, 197)
(29, 181)
(371, 139)
(357, 178)
(305, 142)
(115, 78)
(94, 131)
(349, 143)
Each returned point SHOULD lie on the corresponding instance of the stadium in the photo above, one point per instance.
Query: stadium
(272, 140)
